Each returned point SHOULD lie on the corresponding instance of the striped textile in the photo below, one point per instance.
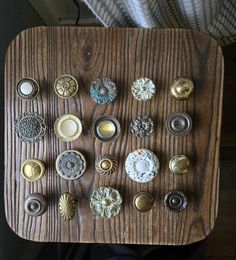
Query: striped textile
(215, 17)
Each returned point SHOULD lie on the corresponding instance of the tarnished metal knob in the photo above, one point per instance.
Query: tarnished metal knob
(181, 88)
(175, 201)
(179, 164)
(106, 164)
(179, 123)
(35, 204)
(143, 201)
(27, 89)
(33, 169)
(142, 126)
(66, 86)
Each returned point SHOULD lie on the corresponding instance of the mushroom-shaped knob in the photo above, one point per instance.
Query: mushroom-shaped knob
(179, 164)
(181, 88)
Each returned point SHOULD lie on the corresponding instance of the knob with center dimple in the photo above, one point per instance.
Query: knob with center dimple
(35, 204)
(106, 164)
(175, 201)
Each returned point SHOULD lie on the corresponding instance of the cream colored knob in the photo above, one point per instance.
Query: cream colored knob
(181, 88)
(179, 164)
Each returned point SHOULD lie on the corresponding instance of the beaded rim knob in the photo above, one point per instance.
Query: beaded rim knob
(35, 204)
(142, 126)
(33, 169)
(175, 201)
(70, 165)
(143, 89)
(179, 164)
(103, 91)
(27, 89)
(67, 206)
(66, 86)
(105, 202)
(30, 127)
(181, 88)
(106, 164)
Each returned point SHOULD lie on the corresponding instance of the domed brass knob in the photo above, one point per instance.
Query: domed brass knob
(143, 201)
(179, 164)
(181, 88)
(106, 164)
(33, 169)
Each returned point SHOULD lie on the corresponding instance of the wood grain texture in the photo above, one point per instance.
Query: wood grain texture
(44, 53)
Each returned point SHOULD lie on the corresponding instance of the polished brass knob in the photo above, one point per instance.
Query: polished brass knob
(179, 164)
(143, 201)
(181, 88)
(67, 205)
(33, 169)
(106, 164)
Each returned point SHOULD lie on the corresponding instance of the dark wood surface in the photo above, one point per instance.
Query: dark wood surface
(123, 55)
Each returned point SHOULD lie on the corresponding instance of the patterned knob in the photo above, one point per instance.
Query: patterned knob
(27, 89)
(66, 86)
(181, 88)
(67, 205)
(142, 126)
(106, 164)
(175, 201)
(143, 89)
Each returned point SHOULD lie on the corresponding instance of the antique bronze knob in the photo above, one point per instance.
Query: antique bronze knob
(143, 89)
(27, 89)
(67, 205)
(33, 169)
(179, 123)
(181, 88)
(106, 164)
(66, 86)
(143, 201)
(103, 91)
(142, 126)
(175, 201)
(105, 202)
(35, 204)
(179, 164)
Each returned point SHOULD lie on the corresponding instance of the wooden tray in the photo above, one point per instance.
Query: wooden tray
(44, 53)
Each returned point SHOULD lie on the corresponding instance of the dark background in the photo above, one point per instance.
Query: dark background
(17, 15)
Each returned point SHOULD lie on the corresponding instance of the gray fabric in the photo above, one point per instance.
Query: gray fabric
(216, 17)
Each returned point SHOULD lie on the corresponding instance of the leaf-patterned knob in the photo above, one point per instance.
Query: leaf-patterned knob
(106, 164)
(67, 206)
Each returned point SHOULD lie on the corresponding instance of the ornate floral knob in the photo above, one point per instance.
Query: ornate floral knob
(142, 126)
(105, 202)
(103, 91)
(35, 204)
(67, 205)
(179, 164)
(143, 89)
(106, 164)
(66, 86)
(181, 88)
(175, 201)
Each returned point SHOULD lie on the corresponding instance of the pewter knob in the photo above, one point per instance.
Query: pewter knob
(35, 204)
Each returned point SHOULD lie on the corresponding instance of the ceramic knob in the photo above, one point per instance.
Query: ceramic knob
(30, 127)
(181, 88)
(66, 86)
(35, 204)
(68, 127)
(106, 129)
(70, 165)
(179, 164)
(143, 89)
(175, 201)
(142, 126)
(142, 165)
(179, 123)
(105, 202)
(33, 169)
(106, 164)
(143, 201)
(27, 89)
(67, 206)
(103, 91)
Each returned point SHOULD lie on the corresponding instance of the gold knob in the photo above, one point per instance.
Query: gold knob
(143, 201)
(67, 206)
(181, 88)
(33, 169)
(106, 164)
(179, 164)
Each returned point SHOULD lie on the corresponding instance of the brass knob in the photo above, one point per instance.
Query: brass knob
(106, 164)
(33, 169)
(143, 201)
(181, 88)
(27, 89)
(66, 86)
(179, 164)
(67, 206)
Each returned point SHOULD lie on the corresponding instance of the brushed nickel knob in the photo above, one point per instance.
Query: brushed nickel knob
(179, 164)
(181, 88)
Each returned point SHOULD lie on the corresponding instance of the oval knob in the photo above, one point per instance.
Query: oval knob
(181, 88)
(67, 206)
(179, 164)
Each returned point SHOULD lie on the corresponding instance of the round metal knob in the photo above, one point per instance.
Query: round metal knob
(181, 88)
(35, 204)
(143, 89)
(179, 164)
(142, 126)
(106, 164)
(27, 89)
(179, 123)
(143, 201)
(33, 169)
(66, 86)
(175, 201)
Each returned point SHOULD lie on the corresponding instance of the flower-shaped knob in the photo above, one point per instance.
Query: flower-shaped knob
(143, 89)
